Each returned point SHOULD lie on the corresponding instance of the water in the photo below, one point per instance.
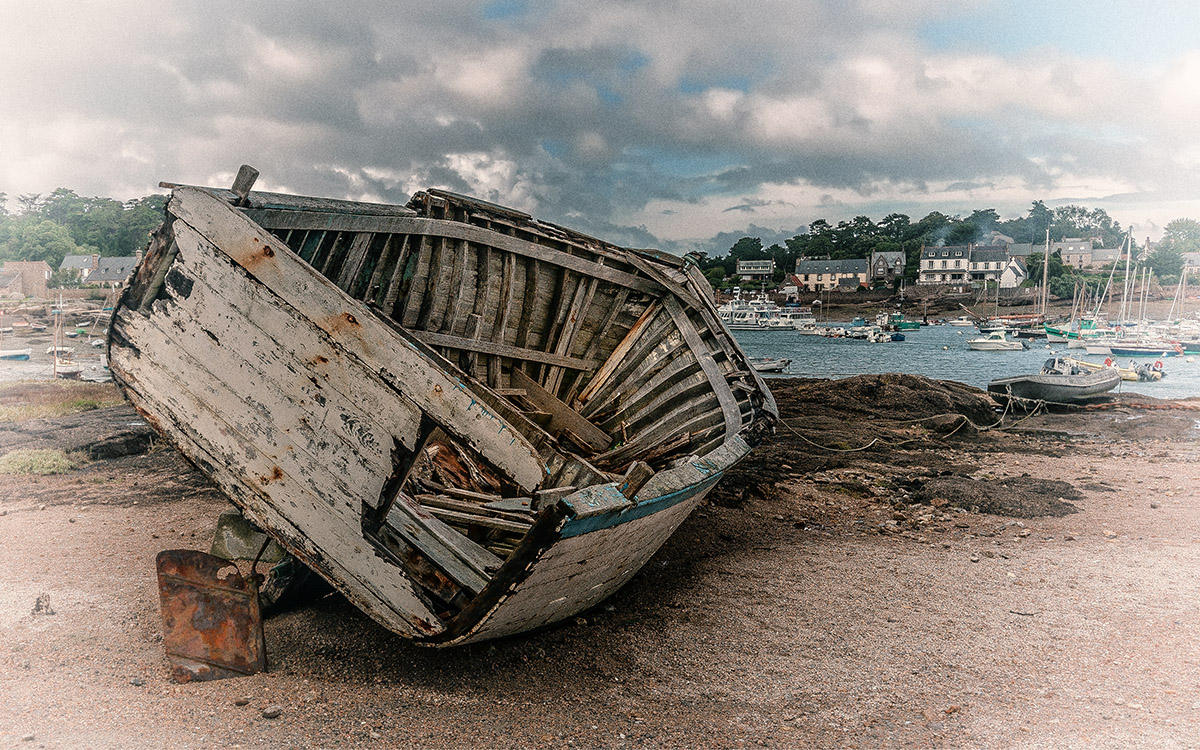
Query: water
(941, 352)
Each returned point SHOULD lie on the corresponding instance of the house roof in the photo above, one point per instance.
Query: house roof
(849, 265)
(946, 251)
(1022, 249)
(113, 268)
(988, 254)
(1105, 254)
(78, 262)
(1020, 264)
(889, 256)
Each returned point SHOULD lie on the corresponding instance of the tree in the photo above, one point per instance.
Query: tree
(1037, 260)
(893, 226)
(39, 239)
(962, 233)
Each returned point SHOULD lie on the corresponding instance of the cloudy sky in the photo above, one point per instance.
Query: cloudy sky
(670, 124)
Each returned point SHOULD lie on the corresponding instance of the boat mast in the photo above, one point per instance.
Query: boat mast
(1046, 273)
(1125, 283)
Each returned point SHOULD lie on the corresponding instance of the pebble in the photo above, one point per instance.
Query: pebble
(974, 558)
(272, 712)
(137, 682)
(1023, 532)
(1110, 534)
(242, 702)
(27, 738)
(1153, 505)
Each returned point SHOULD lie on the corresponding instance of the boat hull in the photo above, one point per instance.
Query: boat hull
(1058, 388)
(317, 415)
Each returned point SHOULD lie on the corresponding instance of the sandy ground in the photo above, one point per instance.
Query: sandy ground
(816, 602)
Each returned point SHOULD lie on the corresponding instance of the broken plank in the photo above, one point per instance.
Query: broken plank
(563, 417)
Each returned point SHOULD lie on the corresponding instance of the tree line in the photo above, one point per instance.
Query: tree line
(52, 226)
(896, 232)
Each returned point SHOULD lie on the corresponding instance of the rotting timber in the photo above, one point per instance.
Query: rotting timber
(471, 422)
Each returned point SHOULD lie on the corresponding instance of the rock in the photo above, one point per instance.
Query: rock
(974, 558)
(272, 712)
(1110, 534)
(242, 702)
(1153, 505)
(27, 738)
(137, 682)
(1068, 538)
(1023, 533)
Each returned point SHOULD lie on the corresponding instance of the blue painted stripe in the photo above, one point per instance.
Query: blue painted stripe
(576, 527)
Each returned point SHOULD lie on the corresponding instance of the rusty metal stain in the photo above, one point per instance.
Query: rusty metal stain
(212, 628)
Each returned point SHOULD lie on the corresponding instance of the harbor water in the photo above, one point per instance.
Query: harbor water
(941, 352)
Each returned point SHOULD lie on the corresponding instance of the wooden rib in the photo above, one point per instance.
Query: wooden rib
(384, 266)
(733, 416)
(610, 314)
(618, 354)
(414, 300)
(585, 290)
(355, 258)
(503, 350)
(503, 306)
(530, 303)
(659, 336)
(442, 277)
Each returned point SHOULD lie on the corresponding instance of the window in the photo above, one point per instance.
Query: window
(943, 264)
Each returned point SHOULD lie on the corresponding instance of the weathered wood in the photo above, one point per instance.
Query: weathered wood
(569, 328)
(470, 357)
(378, 587)
(504, 306)
(246, 177)
(502, 350)
(473, 519)
(414, 300)
(636, 477)
(733, 417)
(466, 562)
(618, 354)
(563, 417)
(610, 315)
(351, 325)
(456, 231)
(472, 508)
(356, 257)
(529, 304)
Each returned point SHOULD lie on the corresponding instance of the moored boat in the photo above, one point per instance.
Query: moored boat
(996, 341)
(769, 364)
(470, 422)
(1059, 381)
(15, 355)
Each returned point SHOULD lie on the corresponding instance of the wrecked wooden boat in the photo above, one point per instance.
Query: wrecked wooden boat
(470, 422)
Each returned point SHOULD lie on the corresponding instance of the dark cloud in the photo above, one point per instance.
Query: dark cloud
(585, 115)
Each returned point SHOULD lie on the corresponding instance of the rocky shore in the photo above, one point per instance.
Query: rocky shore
(893, 568)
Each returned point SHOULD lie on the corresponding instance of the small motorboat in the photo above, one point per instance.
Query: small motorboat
(769, 364)
(996, 342)
(962, 321)
(1060, 381)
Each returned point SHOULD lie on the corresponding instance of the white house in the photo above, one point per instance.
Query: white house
(1014, 274)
